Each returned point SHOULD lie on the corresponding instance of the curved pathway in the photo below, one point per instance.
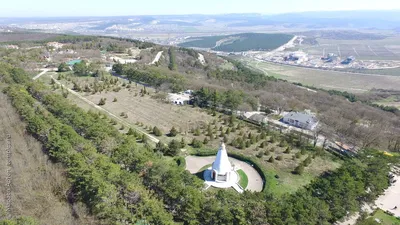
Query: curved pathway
(195, 163)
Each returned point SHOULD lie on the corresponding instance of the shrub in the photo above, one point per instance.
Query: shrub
(279, 158)
(283, 143)
(173, 132)
(298, 155)
(299, 169)
(115, 100)
(183, 143)
(102, 101)
(130, 132)
(225, 139)
(173, 148)
(157, 131)
(307, 161)
(271, 159)
(205, 141)
(259, 154)
(242, 144)
(196, 143)
(287, 151)
(180, 161)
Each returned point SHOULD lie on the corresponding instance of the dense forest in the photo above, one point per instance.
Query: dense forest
(240, 42)
(123, 180)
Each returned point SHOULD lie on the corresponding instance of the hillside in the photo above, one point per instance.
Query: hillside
(239, 42)
(39, 187)
(122, 145)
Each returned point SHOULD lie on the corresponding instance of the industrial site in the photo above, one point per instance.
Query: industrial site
(331, 55)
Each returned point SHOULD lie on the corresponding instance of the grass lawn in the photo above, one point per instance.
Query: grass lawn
(385, 218)
(244, 180)
(204, 167)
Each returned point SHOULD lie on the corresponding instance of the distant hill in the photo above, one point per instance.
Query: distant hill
(239, 42)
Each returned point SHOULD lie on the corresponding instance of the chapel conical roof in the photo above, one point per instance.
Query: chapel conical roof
(221, 164)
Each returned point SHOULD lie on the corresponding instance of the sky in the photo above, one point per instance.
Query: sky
(56, 8)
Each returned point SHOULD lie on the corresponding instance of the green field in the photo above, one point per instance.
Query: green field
(385, 218)
(244, 180)
(240, 42)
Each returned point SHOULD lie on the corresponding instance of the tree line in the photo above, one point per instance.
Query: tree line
(150, 77)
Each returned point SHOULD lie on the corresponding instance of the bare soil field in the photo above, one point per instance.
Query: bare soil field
(38, 187)
(384, 49)
(150, 111)
(145, 109)
(330, 79)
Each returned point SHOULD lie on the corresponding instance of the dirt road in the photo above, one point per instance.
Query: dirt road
(40, 74)
(158, 56)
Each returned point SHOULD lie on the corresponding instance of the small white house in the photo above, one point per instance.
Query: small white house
(181, 98)
(304, 120)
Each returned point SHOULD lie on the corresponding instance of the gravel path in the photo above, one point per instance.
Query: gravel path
(195, 163)
(391, 198)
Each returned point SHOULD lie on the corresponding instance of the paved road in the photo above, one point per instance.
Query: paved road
(195, 163)
(391, 198)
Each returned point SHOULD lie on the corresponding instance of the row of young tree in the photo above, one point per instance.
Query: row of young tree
(108, 171)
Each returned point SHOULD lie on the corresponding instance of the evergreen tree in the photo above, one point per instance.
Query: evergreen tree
(157, 131)
(173, 132)
(299, 169)
(271, 159)
(102, 101)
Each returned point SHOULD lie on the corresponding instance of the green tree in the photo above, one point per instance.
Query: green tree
(157, 131)
(271, 159)
(299, 169)
(183, 143)
(81, 69)
(172, 61)
(173, 132)
(63, 67)
(173, 148)
(102, 101)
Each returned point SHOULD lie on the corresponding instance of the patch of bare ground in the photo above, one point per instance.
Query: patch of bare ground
(38, 187)
(149, 111)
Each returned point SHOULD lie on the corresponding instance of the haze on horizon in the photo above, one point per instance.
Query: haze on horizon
(75, 8)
